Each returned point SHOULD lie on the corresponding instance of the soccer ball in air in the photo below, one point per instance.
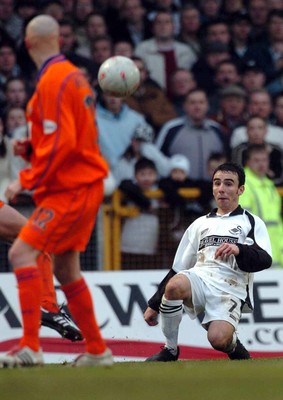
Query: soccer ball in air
(119, 76)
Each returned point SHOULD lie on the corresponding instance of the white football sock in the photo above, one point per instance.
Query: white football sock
(171, 315)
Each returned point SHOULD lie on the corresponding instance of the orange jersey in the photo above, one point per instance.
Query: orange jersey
(63, 133)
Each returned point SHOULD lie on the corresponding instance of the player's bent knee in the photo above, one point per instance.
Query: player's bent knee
(13, 256)
(220, 342)
(177, 288)
(20, 256)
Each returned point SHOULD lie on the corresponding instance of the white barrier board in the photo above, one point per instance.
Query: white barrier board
(120, 297)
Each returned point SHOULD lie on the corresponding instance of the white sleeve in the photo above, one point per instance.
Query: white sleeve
(261, 235)
(186, 254)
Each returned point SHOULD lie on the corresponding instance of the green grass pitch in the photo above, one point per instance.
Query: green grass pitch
(260, 379)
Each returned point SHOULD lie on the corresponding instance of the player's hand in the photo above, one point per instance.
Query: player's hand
(225, 250)
(21, 147)
(150, 316)
(13, 189)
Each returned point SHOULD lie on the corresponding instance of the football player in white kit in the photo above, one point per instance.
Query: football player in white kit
(212, 271)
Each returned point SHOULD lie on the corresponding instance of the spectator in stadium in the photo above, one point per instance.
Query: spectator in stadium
(150, 99)
(260, 193)
(170, 6)
(204, 68)
(162, 53)
(210, 9)
(256, 133)
(111, 10)
(240, 27)
(206, 264)
(226, 74)
(194, 135)
(253, 77)
(16, 129)
(101, 49)
(82, 8)
(14, 118)
(179, 211)
(140, 233)
(231, 7)
(10, 20)
(132, 24)
(68, 6)
(278, 110)
(123, 48)
(268, 55)
(258, 12)
(217, 30)
(80, 11)
(62, 105)
(178, 177)
(5, 166)
(275, 86)
(182, 82)
(190, 24)
(116, 124)
(260, 104)
(232, 111)
(26, 9)
(69, 47)
(16, 94)
(141, 146)
(8, 65)
(54, 8)
(95, 26)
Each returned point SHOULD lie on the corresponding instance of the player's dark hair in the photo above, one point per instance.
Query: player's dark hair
(232, 167)
(143, 163)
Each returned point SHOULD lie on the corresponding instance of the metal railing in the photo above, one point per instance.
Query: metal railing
(113, 214)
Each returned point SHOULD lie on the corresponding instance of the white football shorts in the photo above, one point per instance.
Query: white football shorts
(214, 303)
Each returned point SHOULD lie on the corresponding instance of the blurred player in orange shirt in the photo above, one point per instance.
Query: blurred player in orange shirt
(11, 222)
(66, 177)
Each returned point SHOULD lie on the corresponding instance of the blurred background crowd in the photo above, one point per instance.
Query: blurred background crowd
(211, 91)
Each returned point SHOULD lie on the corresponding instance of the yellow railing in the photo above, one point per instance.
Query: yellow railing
(113, 214)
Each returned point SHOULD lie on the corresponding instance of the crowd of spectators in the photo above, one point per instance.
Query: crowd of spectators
(211, 80)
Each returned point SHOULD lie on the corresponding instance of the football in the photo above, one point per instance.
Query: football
(119, 76)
